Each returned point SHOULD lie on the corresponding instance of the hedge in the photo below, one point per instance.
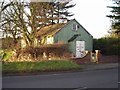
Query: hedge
(107, 46)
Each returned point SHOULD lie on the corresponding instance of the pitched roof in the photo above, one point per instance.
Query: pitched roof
(50, 30)
(53, 29)
(83, 27)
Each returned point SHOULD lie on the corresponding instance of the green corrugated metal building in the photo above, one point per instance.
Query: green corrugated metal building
(70, 33)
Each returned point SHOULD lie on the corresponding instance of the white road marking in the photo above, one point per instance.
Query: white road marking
(80, 88)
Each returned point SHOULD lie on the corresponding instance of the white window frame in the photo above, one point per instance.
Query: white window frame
(74, 27)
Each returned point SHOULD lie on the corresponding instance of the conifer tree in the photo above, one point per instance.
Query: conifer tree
(52, 12)
(115, 17)
(62, 12)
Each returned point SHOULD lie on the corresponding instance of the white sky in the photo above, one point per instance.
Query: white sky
(91, 14)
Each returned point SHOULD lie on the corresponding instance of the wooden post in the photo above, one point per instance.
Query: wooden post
(44, 55)
(96, 52)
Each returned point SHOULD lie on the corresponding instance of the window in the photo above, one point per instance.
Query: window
(50, 40)
(74, 28)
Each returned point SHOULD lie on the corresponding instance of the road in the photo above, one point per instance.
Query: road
(86, 79)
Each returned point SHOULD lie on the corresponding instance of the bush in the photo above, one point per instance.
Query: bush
(5, 55)
(107, 46)
(51, 51)
(9, 43)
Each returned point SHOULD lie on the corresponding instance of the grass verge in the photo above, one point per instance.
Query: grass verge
(33, 67)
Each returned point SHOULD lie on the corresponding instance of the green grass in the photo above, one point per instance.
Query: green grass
(44, 66)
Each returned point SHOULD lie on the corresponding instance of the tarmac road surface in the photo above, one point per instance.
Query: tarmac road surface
(107, 78)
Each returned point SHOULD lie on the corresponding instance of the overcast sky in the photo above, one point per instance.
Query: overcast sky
(91, 14)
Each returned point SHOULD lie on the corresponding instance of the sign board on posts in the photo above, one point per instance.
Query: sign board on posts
(80, 48)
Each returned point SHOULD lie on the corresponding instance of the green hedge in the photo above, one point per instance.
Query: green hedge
(107, 46)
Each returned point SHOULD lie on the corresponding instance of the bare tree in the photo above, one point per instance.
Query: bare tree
(19, 18)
